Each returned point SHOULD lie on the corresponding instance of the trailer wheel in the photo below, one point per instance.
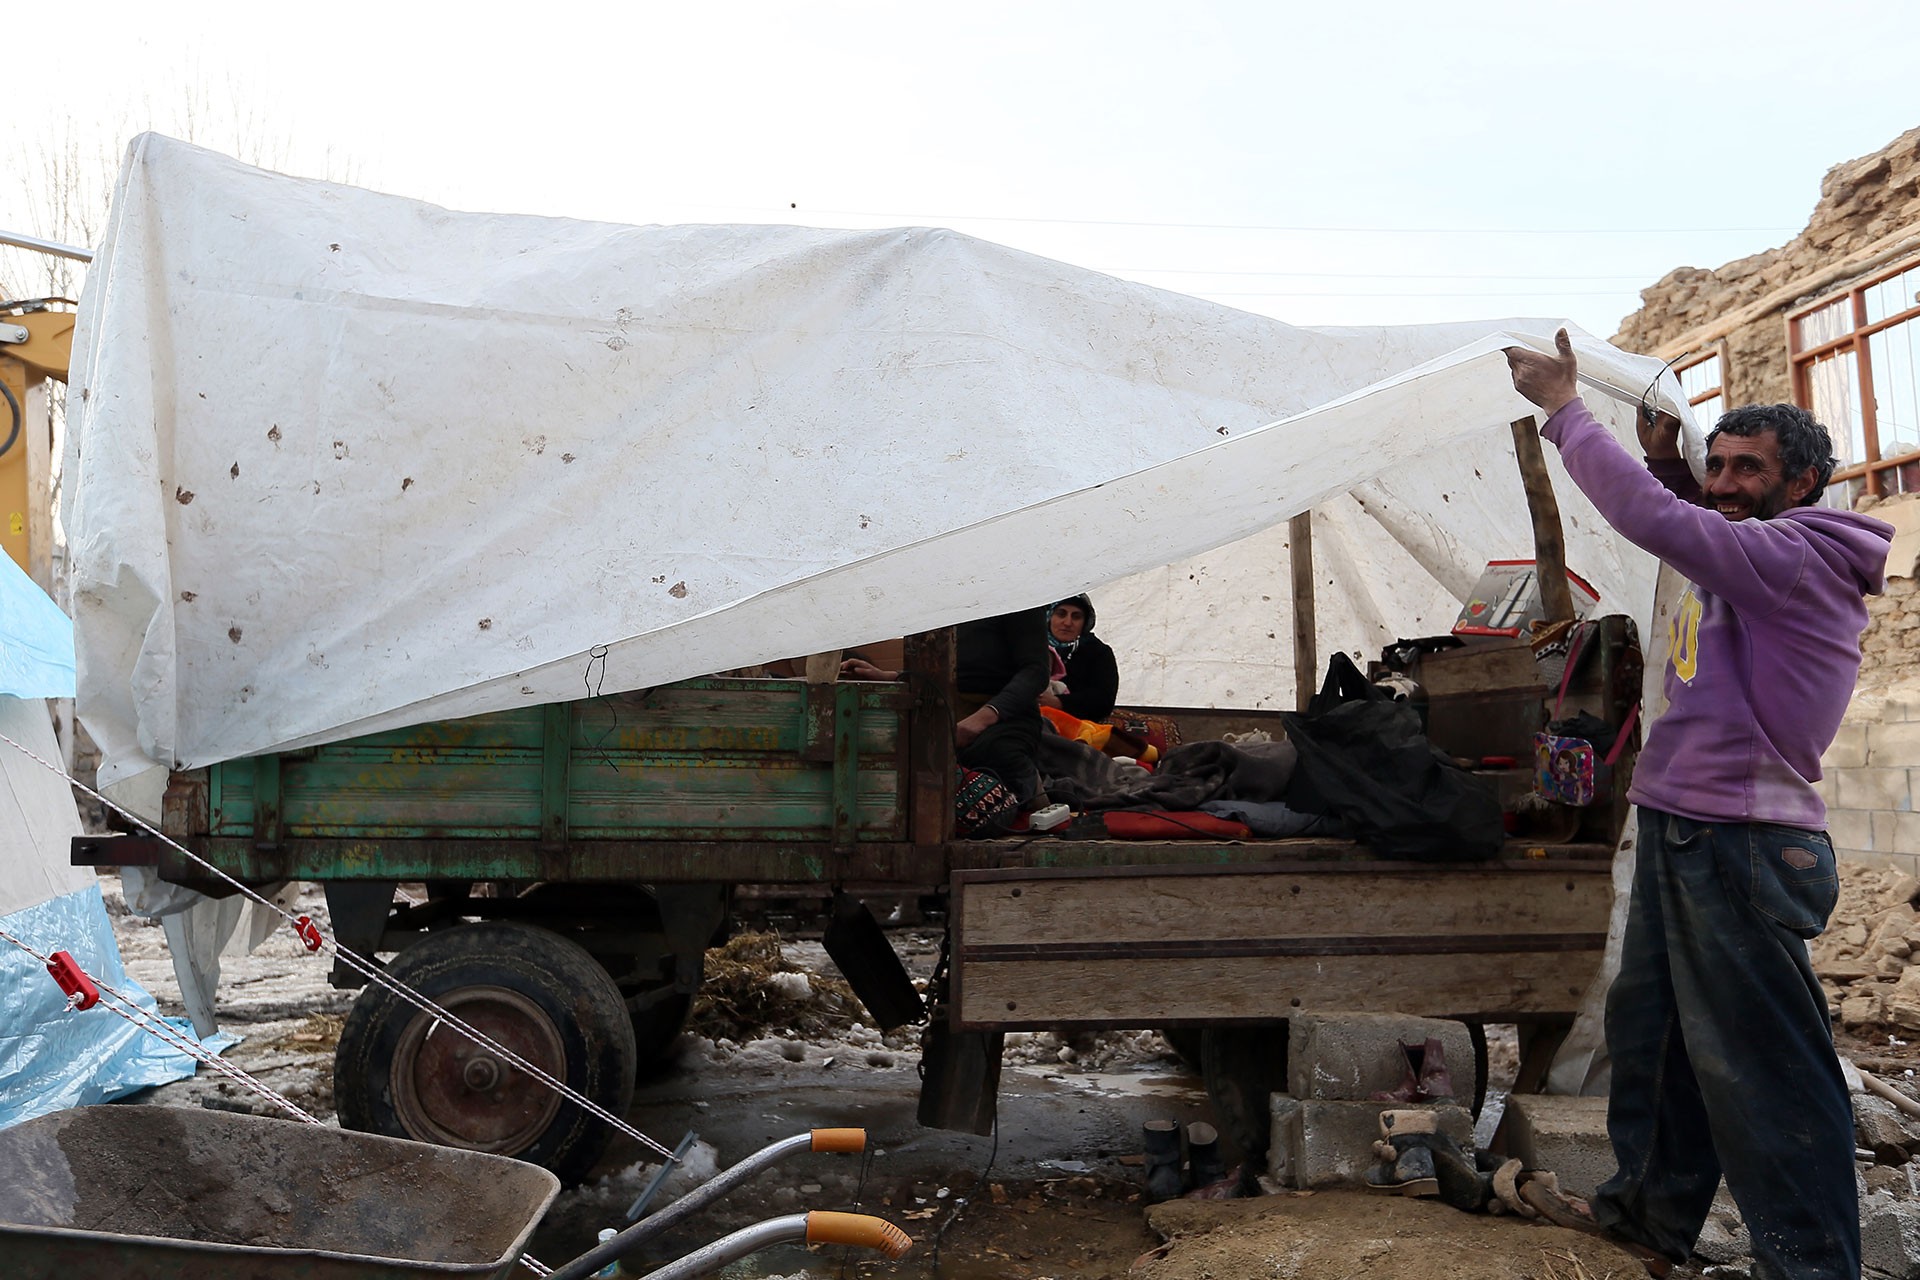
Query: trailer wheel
(402, 1072)
(1243, 1067)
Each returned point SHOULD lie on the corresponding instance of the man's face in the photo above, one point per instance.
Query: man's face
(1068, 621)
(1745, 479)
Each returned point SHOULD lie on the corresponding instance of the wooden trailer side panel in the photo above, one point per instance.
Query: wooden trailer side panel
(1512, 940)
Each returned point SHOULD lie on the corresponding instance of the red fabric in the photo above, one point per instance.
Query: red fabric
(1158, 824)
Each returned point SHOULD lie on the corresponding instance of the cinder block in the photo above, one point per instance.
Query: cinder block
(1889, 1236)
(1723, 1237)
(1887, 789)
(1895, 745)
(1349, 1057)
(1566, 1135)
(1896, 832)
(1319, 1143)
(1851, 829)
(1849, 749)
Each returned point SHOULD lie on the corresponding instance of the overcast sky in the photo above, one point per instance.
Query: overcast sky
(1363, 164)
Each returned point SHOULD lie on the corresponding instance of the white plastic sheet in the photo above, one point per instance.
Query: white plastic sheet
(346, 461)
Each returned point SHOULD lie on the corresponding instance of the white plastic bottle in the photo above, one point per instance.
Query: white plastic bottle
(612, 1270)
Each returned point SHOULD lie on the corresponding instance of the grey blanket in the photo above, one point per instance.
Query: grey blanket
(1192, 774)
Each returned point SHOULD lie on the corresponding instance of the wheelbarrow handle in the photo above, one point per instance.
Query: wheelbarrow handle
(845, 1141)
(862, 1229)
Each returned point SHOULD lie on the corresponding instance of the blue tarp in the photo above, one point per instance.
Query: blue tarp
(36, 639)
(52, 1059)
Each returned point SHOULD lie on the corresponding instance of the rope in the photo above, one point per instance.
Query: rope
(358, 963)
(118, 1002)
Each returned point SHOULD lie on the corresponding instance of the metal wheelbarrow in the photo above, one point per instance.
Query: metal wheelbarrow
(159, 1193)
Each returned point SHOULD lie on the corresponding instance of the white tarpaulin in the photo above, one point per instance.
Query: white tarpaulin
(347, 461)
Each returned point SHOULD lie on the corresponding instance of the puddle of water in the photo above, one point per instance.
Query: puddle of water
(1122, 1083)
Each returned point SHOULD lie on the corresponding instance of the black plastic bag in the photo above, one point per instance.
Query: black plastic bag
(1364, 760)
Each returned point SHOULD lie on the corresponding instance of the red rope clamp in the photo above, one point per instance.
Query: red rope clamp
(309, 932)
(81, 993)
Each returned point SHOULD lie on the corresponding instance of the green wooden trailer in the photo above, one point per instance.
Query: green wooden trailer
(555, 874)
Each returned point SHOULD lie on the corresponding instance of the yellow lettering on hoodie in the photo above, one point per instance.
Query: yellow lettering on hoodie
(1683, 637)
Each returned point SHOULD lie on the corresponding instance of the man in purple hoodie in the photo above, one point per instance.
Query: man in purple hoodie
(1717, 1029)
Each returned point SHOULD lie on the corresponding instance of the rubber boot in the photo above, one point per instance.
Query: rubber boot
(1206, 1168)
(1435, 1082)
(1461, 1184)
(1408, 1090)
(1410, 1173)
(1424, 1077)
(1160, 1140)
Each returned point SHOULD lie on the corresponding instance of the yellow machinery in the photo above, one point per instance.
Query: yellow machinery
(36, 343)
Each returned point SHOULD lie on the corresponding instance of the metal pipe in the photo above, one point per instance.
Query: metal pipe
(708, 1259)
(685, 1207)
(54, 247)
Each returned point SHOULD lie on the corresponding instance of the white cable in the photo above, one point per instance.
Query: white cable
(360, 964)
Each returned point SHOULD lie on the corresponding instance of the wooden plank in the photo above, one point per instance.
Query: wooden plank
(1148, 992)
(1549, 539)
(1458, 900)
(927, 663)
(1486, 666)
(1306, 657)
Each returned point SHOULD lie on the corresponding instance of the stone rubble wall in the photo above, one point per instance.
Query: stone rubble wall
(1868, 215)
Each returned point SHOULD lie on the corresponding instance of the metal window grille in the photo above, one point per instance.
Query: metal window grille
(1856, 367)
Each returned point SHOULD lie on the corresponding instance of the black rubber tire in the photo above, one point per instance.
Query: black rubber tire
(1477, 1037)
(543, 985)
(1243, 1068)
(657, 1025)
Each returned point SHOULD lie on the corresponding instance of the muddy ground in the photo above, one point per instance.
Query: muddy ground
(1055, 1194)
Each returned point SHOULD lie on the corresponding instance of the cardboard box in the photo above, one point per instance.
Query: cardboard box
(1506, 600)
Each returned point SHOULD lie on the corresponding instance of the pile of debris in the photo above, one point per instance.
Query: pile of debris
(751, 990)
(1867, 959)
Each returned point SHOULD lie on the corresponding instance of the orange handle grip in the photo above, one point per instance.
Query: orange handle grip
(843, 1140)
(865, 1230)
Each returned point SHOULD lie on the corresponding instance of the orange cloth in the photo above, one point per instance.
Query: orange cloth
(1094, 735)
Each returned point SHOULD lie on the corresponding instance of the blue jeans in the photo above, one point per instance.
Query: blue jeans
(1722, 1055)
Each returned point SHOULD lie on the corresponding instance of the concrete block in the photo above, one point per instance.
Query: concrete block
(1849, 749)
(1873, 789)
(1889, 1236)
(1318, 1143)
(1349, 1057)
(1566, 1135)
(1851, 829)
(1723, 1237)
(1895, 832)
(1895, 745)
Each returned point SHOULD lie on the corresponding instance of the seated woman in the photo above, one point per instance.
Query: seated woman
(1092, 680)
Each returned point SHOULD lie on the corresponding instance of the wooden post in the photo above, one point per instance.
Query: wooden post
(1306, 658)
(1549, 541)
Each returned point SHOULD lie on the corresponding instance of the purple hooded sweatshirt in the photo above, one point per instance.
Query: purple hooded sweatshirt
(1765, 643)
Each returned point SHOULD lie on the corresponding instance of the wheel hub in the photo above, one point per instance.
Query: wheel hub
(449, 1090)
